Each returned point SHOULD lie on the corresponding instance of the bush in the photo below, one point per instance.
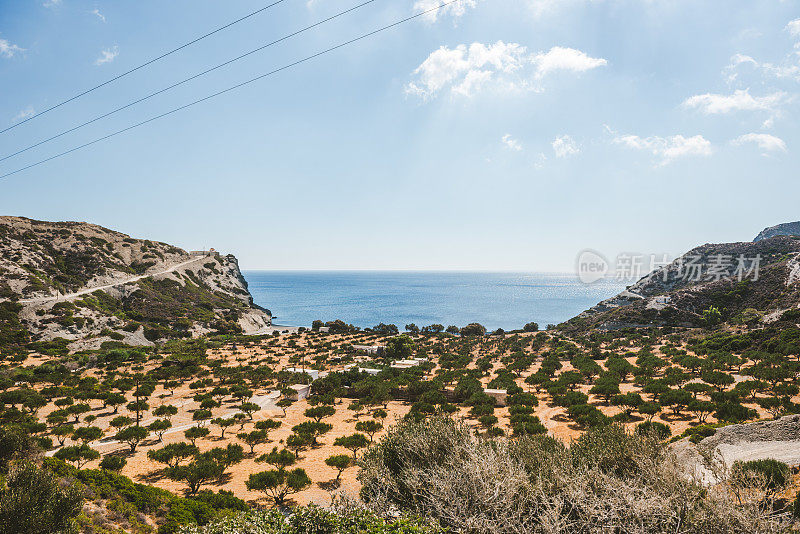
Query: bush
(473, 329)
(113, 463)
(176, 511)
(34, 501)
(797, 505)
(607, 478)
(656, 428)
(698, 433)
(315, 520)
(768, 473)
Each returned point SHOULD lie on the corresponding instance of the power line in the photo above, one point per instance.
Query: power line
(194, 77)
(146, 63)
(232, 88)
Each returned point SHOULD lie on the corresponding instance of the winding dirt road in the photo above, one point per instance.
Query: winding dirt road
(86, 291)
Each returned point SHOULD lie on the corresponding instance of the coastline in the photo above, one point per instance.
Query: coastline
(501, 299)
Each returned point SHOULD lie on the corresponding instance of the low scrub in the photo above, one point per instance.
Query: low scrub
(608, 480)
(343, 519)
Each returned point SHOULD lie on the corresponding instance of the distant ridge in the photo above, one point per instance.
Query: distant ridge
(668, 297)
(790, 228)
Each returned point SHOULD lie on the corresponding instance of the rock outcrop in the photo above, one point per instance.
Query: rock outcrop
(679, 293)
(792, 228)
(88, 285)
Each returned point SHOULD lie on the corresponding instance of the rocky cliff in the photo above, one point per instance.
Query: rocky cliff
(88, 285)
(759, 289)
(792, 228)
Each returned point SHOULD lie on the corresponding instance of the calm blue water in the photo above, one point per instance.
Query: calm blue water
(366, 298)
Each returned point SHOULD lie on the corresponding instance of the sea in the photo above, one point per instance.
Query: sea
(505, 300)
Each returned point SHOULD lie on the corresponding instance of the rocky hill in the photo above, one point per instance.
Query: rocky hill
(88, 285)
(747, 282)
(792, 228)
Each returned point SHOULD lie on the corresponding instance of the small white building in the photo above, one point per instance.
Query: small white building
(369, 370)
(313, 373)
(406, 364)
(372, 350)
(500, 396)
(301, 391)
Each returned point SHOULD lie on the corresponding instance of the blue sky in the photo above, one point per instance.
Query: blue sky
(499, 135)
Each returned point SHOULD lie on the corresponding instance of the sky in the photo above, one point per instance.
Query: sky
(486, 135)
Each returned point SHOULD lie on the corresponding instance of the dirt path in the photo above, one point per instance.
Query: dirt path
(69, 296)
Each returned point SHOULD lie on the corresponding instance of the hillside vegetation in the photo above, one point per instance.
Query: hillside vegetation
(433, 429)
(146, 291)
(674, 296)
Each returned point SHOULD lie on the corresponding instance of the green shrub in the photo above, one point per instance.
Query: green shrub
(768, 472)
(34, 501)
(314, 520)
(658, 429)
(177, 511)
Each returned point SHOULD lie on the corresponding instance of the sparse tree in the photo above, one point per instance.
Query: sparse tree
(279, 459)
(87, 433)
(173, 453)
(279, 483)
(340, 462)
(79, 455)
(223, 423)
(369, 427)
(159, 427)
(201, 470)
(62, 432)
(166, 411)
(318, 413)
(132, 435)
(353, 442)
(253, 438)
(298, 442)
(196, 432)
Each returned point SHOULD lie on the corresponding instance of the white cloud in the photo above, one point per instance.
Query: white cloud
(668, 148)
(96, 12)
(794, 28)
(8, 49)
(511, 143)
(787, 68)
(52, 3)
(568, 59)
(740, 100)
(23, 114)
(737, 61)
(766, 142)
(107, 56)
(456, 9)
(465, 70)
(564, 146)
(542, 8)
